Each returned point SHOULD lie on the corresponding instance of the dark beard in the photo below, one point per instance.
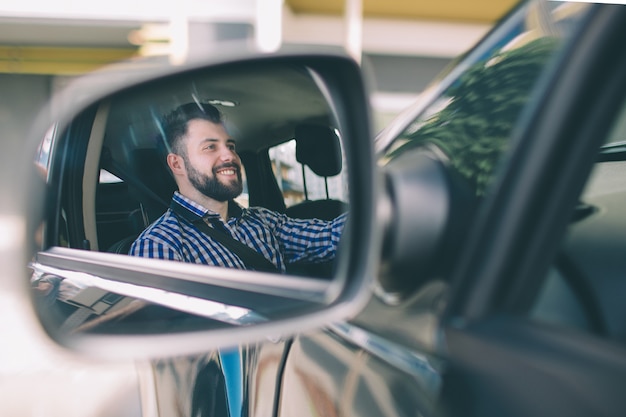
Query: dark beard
(211, 186)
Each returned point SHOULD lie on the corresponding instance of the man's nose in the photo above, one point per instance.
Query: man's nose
(228, 154)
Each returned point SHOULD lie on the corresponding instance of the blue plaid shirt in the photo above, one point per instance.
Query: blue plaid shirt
(278, 238)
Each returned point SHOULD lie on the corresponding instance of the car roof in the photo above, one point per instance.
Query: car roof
(261, 105)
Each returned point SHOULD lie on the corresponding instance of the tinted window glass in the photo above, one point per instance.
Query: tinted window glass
(586, 286)
(468, 122)
(472, 122)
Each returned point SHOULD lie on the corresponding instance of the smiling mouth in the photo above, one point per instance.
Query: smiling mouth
(227, 170)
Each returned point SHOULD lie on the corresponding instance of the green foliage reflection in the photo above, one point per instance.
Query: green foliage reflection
(474, 127)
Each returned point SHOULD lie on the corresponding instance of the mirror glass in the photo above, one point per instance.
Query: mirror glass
(173, 171)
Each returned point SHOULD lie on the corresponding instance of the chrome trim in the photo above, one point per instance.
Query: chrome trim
(428, 370)
(134, 270)
(147, 389)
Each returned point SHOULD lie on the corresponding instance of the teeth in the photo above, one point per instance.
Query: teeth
(228, 172)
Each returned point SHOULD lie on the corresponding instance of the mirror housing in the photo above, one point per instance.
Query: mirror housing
(423, 194)
(196, 291)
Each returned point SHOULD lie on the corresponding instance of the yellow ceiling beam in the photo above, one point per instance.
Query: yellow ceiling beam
(483, 11)
(59, 61)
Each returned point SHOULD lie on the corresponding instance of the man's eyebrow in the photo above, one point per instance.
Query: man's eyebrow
(230, 140)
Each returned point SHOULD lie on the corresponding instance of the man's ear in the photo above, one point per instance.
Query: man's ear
(176, 164)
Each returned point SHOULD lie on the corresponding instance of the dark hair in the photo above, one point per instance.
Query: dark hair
(174, 124)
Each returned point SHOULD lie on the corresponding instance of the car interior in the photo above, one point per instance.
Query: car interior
(108, 179)
(115, 181)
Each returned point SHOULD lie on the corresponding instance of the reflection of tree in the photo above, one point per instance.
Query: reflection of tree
(472, 130)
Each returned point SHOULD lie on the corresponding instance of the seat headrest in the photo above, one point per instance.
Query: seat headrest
(318, 147)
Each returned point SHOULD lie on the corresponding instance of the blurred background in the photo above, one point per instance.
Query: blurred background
(403, 43)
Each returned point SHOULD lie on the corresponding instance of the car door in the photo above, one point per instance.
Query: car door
(513, 311)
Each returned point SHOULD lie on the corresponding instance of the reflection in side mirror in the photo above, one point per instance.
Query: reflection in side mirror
(177, 168)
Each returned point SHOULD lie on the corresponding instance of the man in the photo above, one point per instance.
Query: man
(206, 167)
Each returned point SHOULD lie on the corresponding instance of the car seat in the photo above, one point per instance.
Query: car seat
(151, 184)
(318, 147)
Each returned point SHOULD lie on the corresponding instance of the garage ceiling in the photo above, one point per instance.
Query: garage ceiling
(479, 11)
(439, 28)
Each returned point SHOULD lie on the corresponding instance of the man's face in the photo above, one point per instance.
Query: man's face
(212, 165)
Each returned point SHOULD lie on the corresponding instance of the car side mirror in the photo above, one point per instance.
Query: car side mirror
(115, 305)
(424, 194)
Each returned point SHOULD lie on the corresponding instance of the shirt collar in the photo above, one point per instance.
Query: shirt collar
(234, 209)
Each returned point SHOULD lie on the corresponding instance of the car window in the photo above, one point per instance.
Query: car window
(471, 122)
(298, 182)
(467, 120)
(475, 118)
(585, 287)
(107, 178)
